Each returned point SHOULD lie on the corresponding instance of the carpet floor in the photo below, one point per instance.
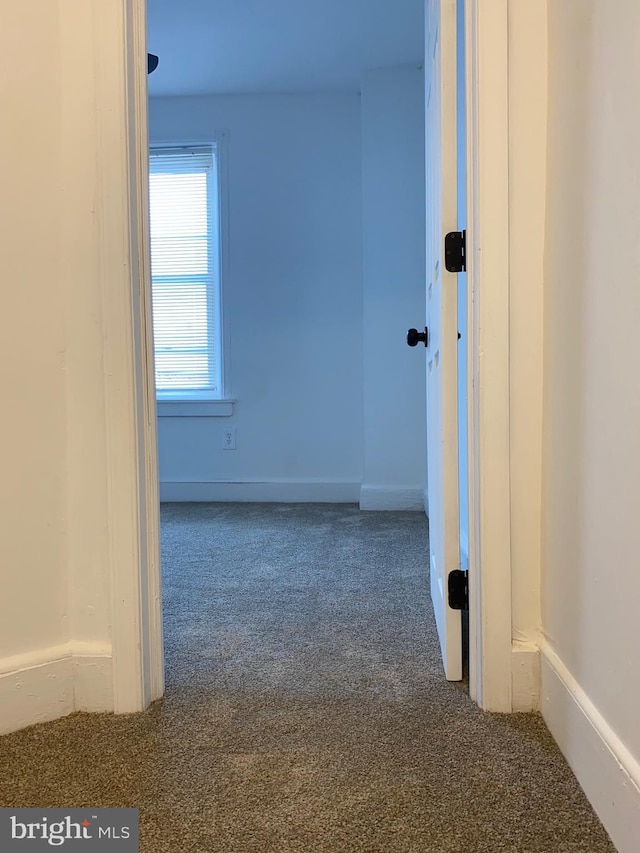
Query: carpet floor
(306, 708)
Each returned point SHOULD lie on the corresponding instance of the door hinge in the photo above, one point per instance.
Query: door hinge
(458, 584)
(455, 251)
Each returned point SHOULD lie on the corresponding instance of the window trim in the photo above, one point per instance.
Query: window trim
(194, 403)
(206, 407)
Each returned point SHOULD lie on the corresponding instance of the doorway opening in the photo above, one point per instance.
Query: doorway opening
(279, 316)
(489, 662)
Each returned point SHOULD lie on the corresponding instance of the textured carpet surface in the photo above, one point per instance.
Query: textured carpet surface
(306, 708)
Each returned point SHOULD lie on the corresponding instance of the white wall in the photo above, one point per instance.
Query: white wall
(321, 194)
(33, 511)
(292, 300)
(56, 623)
(393, 199)
(591, 582)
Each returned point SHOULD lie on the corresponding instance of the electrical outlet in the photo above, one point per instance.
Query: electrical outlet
(229, 438)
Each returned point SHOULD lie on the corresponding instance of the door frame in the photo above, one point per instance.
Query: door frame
(138, 660)
(488, 355)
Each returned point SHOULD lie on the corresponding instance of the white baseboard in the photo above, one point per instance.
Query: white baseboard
(385, 498)
(49, 683)
(525, 677)
(607, 771)
(36, 694)
(301, 491)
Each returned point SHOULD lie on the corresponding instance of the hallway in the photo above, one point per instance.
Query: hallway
(306, 708)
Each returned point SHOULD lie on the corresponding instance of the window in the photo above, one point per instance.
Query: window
(184, 214)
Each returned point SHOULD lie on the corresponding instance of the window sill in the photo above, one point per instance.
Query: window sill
(195, 408)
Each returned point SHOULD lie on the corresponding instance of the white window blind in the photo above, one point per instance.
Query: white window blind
(184, 235)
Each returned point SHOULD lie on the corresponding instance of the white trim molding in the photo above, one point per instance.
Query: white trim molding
(607, 771)
(92, 678)
(129, 390)
(194, 408)
(49, 683)
(528, 34)
(525, 677)
(260, 491)
(490, 608)
(387, 498)
(148, 574)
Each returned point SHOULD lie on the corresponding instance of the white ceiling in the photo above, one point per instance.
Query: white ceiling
(232, 46)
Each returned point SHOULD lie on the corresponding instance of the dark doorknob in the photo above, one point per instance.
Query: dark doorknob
(414, 337)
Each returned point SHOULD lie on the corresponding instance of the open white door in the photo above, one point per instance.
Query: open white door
(442, 384)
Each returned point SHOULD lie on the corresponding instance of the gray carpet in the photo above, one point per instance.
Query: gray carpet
(306, 708)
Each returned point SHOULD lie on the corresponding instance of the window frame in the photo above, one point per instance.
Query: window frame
(194, 402)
